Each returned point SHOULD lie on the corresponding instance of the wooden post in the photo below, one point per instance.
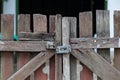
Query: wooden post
(7, 29)
(65, 41)
(117, 34)
(102, 30)
(73, 61)
(40, 25)
(23, 26)
(85, 27)
(58, 42)
(52, 60)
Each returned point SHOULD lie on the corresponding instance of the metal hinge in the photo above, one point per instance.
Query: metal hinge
(63, 49)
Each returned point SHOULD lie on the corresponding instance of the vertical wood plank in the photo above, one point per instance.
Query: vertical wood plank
(102, 30)
(52, 60)
(117, 34)
(58, 42)
(65, 41)
(40, 25)
(52, 23)
(23, 26)
(7, 31)
(73, 60)
(85, 27)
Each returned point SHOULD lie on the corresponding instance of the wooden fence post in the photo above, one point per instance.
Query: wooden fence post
(117, 34)
(7, 31)
(102, 30)
(85, 27)
(58, 42)
(65, 41)
(73, 61)
(23, 26)
(40, 25)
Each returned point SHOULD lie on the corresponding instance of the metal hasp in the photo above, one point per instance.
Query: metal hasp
(50, 45)
(63, 49)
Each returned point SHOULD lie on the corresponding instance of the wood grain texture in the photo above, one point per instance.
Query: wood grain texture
(52, 68)
(102, 23)
(28, 36)
(23, 46)
(23, 23)
(52, 60)
(7, 25)
(85, 27)
(117, 34)
(58, 42)
(73, 60)
(23, 26)
(40, 25)
(103, 30)
(77, 43)
(85, 21)
(52, 23)
(65, 41)
(97, 64)
(32, 65)
(7, 29)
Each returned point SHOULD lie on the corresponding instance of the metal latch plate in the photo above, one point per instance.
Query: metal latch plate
(50, 45)
(63, 49)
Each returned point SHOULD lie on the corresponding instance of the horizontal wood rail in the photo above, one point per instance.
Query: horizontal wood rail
(23, 46)
(78, 43)
(28, 36)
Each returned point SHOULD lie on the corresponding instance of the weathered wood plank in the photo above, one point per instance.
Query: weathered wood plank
(103, 30)
(7, 25)
(117, 34)
(97, 64)
(40, 25)
(52, 60)
(58, 42)
(23, 23)
(7, 31)
(77, 43)
(23, 26)
(52, 23)
(28, 36)
(65, 41)
(32, 65)
(23, 46)
(73, 60)
(85, 27)
(102, 23)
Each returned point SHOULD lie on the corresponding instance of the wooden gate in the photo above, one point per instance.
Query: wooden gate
(62, 51)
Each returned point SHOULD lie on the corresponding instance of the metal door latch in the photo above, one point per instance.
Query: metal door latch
(63, 49)
(50, 45)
